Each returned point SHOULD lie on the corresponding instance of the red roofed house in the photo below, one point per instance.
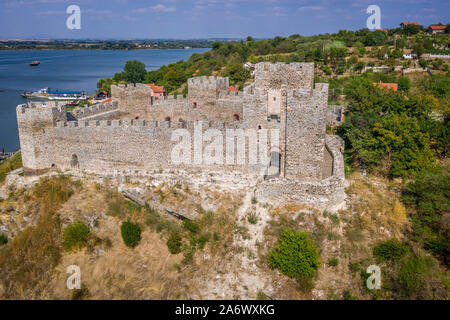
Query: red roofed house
(389, 86)
(404, 24)
(157, 91)
(233, 89)
(437, 29)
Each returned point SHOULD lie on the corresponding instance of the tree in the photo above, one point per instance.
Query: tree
(375, 38)
(237, 74)
(296, 256)
(134, 71)
(418, 49)
(404, 84)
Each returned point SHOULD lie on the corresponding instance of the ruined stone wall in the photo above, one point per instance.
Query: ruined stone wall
(226, 107)
(282, 97)
(326, 194)
(132, 99)
(96, 111)
(35, 124)
(125, 144)
(284, 76)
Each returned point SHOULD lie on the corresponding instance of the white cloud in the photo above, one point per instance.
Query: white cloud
(157, 8)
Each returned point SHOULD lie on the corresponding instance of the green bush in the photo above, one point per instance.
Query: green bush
(411, 274)
(190, 226)
(202, 241)
(333, 262)
(253, 219)
(295, 255)
(75, 236)
(131, 233)
(174, 243)
(390, 250)
(3, 239)
(428, 196)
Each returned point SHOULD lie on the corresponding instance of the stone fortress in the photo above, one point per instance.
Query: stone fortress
(132, 135)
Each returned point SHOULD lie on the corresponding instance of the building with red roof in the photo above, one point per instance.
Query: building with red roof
(404, 24)
(233, 89)
(437, 29)
(389, 86)
(157, 91)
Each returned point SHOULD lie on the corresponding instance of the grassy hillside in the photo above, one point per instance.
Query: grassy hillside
(13, 163)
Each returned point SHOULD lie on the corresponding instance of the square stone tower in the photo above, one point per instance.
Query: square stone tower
(283, 97)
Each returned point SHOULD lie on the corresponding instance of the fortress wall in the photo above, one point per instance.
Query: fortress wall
(126, 144)
(132, 98)
(35, 122)
(326, 194)
(95, 110)
(222, 109)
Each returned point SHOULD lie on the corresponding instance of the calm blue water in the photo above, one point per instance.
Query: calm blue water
(64, 70)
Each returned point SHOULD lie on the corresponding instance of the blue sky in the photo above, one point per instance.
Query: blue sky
(128, 19)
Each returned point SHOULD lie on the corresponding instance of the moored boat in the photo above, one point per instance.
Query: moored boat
(48, 94)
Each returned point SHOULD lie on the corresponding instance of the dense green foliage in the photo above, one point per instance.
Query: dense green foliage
(390, 250)
(3, 239)
(131, 233)
(174, 243)
(295, 255)
(429, 195)
(134, 71)
(390, 133)
(103, 44)
(75, 236)
(190, 226)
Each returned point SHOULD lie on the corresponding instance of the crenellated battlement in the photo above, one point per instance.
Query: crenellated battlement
(85, 112)
(34, 106)
(168, 100)
(226, 94)
(146, 124)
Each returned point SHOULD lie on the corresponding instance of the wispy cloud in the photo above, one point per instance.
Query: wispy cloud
(157, 8)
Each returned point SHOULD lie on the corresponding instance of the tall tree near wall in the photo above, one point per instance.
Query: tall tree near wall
(134, 71)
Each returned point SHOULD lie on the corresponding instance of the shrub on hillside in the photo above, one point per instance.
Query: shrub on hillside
(428, 194)
(75, 236)
(3, 239)
(390, 250)
(411, 274)
(295, 255)
(131, 233)
(174, 243)
(190, 226)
